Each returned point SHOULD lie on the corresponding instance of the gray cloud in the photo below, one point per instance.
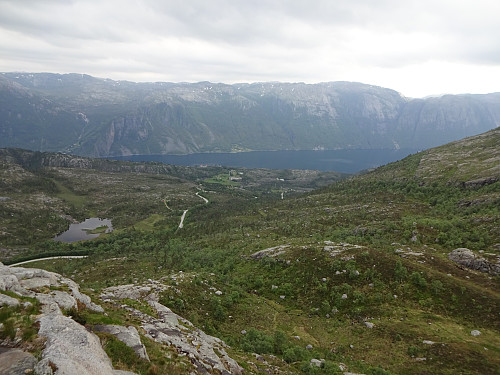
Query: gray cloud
(230, 40)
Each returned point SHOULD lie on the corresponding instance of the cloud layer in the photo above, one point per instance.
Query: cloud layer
(417, 47)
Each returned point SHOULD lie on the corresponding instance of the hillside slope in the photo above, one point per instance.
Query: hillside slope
(98, 117)
(402, 260)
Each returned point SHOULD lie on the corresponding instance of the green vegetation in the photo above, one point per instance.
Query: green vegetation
(354, 270)
(20, 322)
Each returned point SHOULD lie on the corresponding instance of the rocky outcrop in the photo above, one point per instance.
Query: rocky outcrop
(270, 252)
(28, 282)
(206, 353)
(467, 258)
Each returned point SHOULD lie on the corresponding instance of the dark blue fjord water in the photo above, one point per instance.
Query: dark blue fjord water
(346, 161)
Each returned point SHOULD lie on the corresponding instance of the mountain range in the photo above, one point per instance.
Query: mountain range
(88, 116)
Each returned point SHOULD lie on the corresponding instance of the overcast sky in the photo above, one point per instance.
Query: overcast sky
(419, 48)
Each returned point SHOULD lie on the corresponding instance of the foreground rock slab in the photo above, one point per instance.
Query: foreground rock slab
(69, 348)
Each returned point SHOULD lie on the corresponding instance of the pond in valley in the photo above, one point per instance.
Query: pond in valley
(86, 230)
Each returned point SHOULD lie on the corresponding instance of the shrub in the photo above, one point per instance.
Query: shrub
(437, 287)
(293, 354)
(400, 272)
(418, 280)
(257, 342)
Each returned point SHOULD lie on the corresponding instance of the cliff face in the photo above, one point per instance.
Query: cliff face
(95, 117)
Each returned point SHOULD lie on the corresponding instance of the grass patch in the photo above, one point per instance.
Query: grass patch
(148, 224)
(69, 196)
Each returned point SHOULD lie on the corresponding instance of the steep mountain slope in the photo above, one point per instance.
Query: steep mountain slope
(96, 117)
(326, 282)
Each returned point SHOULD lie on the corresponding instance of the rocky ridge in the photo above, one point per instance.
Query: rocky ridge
(207, 353)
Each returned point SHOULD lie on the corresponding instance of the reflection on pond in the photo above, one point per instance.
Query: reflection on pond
(86, 230)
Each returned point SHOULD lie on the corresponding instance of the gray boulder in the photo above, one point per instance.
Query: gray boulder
(317, 362)
(16, 362)
(467, 258)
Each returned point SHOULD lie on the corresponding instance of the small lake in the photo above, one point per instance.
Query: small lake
(346, 161)
(82, 231)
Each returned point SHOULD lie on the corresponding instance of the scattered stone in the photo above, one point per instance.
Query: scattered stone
(317, 362)
(344, 296)
(282, 297)
(428, 342)
(218, 292)
(309, 347)
(296, 337)
(243, 332)
(475, 332)
(369, 325)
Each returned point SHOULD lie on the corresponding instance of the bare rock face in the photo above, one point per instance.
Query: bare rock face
(467, 258)
(71, 349)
